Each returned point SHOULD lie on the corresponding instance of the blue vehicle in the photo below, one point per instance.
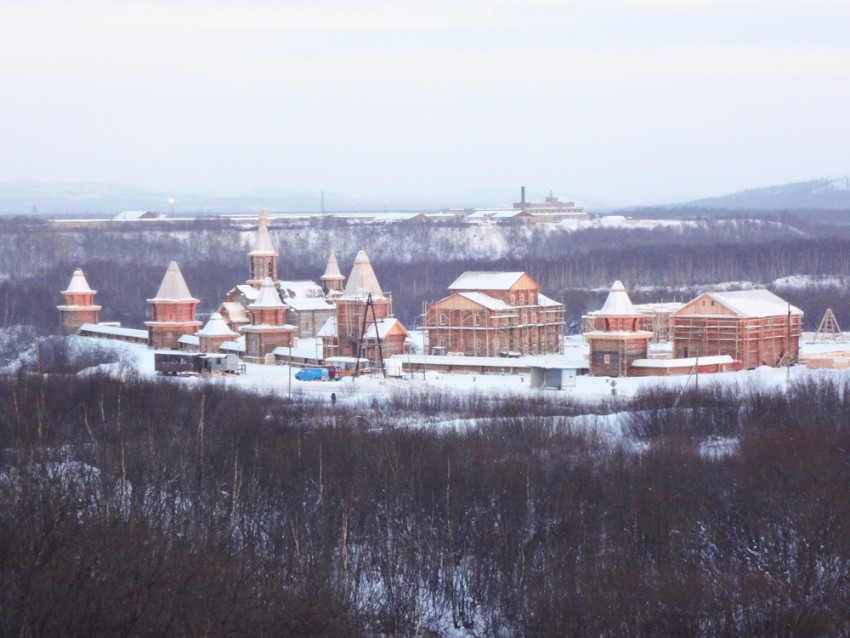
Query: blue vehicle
(312, 374)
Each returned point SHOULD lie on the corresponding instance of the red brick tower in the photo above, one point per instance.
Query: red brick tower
(262, 260)
(173, 311)
(79, 306)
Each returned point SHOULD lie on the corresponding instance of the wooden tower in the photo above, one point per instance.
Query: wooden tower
(172, 310)
(262, 260)
(79, 306)
(617, 342)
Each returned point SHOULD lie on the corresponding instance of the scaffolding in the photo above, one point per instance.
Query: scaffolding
(489, 333)
(752, 341)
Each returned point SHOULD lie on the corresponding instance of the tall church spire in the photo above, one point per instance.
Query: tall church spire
(262, 260)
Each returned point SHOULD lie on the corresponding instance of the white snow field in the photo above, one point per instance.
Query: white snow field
(280, 379)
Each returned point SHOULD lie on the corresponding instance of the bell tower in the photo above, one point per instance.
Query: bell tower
(262, 260)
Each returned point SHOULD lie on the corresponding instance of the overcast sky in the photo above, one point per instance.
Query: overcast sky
(610, 101)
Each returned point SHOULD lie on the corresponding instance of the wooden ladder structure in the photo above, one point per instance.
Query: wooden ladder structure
(829, 329)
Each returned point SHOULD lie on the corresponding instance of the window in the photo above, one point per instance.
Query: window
(444, 318)
(606, 359)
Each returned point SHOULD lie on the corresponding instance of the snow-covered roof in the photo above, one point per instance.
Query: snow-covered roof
(263, 243)
(309, 304)
(173, 286)
(328, 329)
(666, 306)
(268, 296)
(543, 300)
(720, 359)
(237, 345)
(493, 213)
(300, 290)
(362, 280)
(248, 291)
(332, 272)
(474, 280)
(491, 303)
(216, 327)
(236, 312)
(78, 284)
(617, 303)
(384, 327)
(189, 340)
(115, 331)
(754, 303)
(130, 215)
(559, 362)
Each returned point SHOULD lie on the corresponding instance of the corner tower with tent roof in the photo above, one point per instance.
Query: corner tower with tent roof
(618, 342)
(79, 307)
(172, 310)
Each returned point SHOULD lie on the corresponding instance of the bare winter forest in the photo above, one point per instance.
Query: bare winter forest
(132, 506)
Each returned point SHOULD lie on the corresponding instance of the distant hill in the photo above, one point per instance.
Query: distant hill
(27, 197)
(819, 193)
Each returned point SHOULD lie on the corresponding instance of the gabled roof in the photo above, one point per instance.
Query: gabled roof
(617, 304)
(300, 305)
(248, 291)
(385, 327)
(78, 284)
(751, 303)
(473, 280)
(263, 243)
(236, 312)
(328, 329)
(300, 290)
(268, 296)
(216, 327)
(332, 272)
(189, 340)
(486, 301)
(237, 345)
(362, 280)
(543, 300)
(173, 286)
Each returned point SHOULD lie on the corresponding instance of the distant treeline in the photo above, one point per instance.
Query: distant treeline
(126, 264)
(131, 507)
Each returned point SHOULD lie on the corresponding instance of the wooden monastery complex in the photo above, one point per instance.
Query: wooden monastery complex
(487, 316)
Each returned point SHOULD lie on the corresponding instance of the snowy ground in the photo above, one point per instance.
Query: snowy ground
(281, 379)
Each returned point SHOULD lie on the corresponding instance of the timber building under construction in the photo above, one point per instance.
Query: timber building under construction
(491, 314)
